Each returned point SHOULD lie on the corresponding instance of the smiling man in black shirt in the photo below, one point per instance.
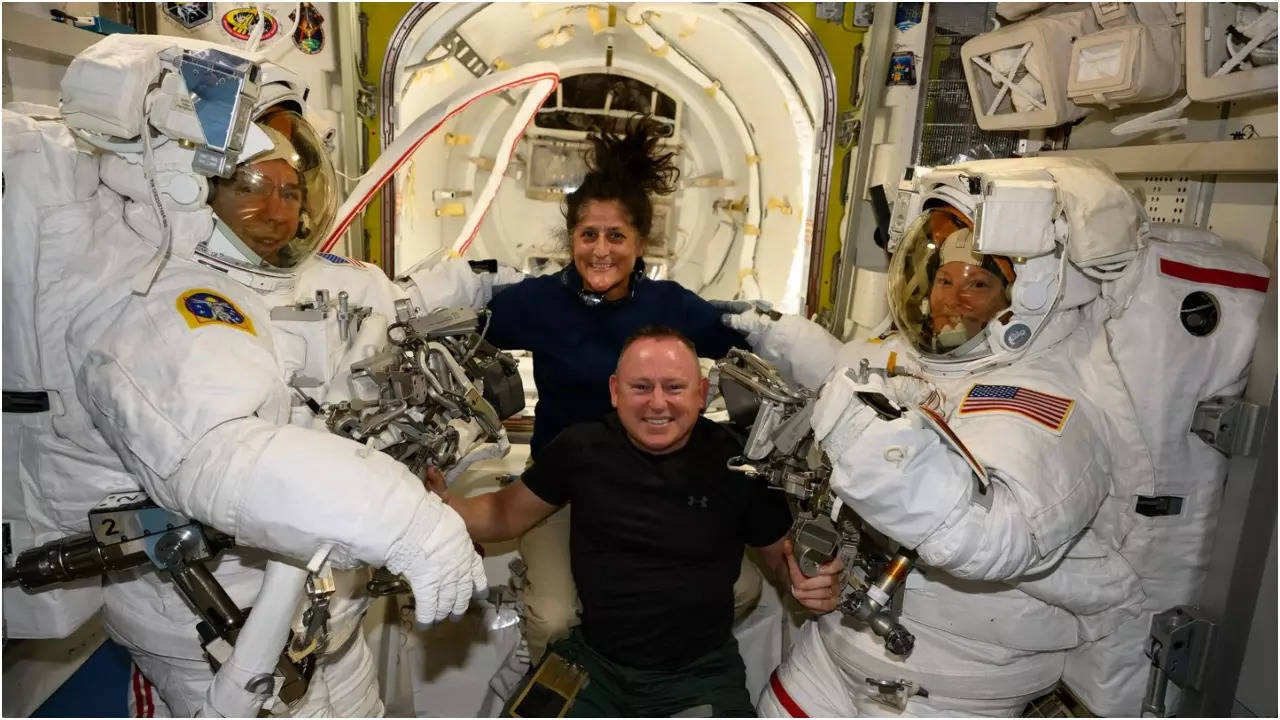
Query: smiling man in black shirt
(656, 539)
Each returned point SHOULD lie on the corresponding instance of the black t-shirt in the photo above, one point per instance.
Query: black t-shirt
(656, 540)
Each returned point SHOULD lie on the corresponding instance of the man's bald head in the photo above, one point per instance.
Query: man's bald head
(658, 389)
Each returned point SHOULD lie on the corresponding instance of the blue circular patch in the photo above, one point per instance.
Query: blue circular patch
(213, 307)
(1016, 336)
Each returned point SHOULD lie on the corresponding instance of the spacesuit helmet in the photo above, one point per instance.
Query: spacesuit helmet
(241, 129)
(990, 256)
(274, 209)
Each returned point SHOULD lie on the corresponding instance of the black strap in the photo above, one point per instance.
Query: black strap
(26, 401)
(1158, 506)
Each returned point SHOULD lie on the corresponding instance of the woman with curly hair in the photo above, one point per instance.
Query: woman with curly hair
(575, 322)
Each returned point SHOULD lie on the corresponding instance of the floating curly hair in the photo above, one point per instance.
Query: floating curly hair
(626, 168)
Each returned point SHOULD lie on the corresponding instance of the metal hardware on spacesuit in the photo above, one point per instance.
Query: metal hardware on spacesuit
(1179, 650)
(781, 447)
(426, 379)
(315, 619)
(816, 542)
(872, 604)
(895, 693)
(208, 99)
(129, 530)
(1231, 426)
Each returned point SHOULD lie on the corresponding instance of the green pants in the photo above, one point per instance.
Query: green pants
(717, 679)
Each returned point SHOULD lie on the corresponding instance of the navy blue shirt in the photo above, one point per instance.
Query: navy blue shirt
(575, 347)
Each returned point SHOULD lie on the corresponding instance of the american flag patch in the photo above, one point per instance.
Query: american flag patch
(1048, 410)
(339, 260)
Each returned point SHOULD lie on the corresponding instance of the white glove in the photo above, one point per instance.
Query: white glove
(802, 350)
(436, 557)
(505, 277)
(907, 392)
(839, 414)
(452, 283)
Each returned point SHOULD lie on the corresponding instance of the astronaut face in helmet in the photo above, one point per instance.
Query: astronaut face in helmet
(262, 204)
(963, 299)
(943, 293)
(278, 201)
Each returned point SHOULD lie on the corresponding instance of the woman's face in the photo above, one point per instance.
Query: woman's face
(963, 299)
(605, 246)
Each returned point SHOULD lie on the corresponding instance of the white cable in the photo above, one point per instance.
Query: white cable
(147, 275)
(484, 451)
(541, 79)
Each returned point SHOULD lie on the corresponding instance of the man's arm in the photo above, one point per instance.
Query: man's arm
(818, 594)
(494, 517)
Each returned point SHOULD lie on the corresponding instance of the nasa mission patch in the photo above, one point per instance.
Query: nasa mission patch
(201, 307)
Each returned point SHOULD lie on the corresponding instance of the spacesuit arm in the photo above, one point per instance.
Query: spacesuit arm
(197, 415)
(902, 479)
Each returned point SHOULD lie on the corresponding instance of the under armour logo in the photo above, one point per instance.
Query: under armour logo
(697, 501)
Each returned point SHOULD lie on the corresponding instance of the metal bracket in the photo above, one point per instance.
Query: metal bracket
(895, 693)
(847, 127)
(1179, 650)
(1231, 426)
(367, 100)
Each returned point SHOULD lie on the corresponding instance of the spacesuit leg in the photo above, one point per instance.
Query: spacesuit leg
(550, 595)
(166, 686)
(345, 684)
(826, 676)
(807, 683)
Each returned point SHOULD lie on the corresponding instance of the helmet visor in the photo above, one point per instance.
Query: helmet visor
(279, 202)
(942, 293)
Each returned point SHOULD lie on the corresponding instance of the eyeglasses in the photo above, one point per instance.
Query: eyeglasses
(252, 183)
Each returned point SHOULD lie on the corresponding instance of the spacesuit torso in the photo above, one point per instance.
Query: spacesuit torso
(198, 346)
(1017, 572)
(186, 299)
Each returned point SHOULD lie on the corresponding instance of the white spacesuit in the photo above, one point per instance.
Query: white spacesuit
(1017, 571)
(154, 289)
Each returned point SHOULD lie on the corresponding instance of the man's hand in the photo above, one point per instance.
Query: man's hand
(817, 594)
(435, 482)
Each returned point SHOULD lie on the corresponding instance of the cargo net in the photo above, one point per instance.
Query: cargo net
(950, 132)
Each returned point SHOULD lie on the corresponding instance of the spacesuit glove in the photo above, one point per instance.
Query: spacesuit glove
(802, 350)
(840, 416)
(906, 391)
(436, 557)
(453, 282)
(505, 277)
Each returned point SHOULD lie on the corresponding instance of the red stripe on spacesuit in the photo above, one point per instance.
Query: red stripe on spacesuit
(1211, 276)
(143, 703)
(789, 704)
(137, 693)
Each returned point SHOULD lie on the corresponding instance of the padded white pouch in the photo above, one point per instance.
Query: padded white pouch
(1208, 50)
(1017, 75)
(1126, 64)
